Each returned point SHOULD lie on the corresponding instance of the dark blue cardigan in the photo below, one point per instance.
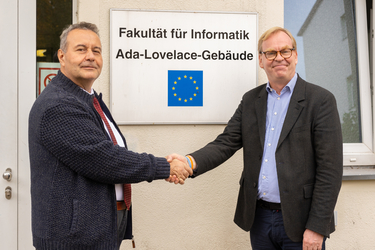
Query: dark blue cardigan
(74, 166)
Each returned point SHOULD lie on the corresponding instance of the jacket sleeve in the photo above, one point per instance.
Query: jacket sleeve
(327, 143)
(72, 133)
(223, 147)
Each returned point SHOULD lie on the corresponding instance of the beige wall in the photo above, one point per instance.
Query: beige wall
(199, 214)
(355, 217)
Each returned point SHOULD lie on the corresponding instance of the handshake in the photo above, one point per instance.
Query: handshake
(180, 168)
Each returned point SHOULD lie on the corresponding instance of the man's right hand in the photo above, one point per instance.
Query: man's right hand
(180, 170)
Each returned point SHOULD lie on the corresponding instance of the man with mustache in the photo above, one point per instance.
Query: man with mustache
(290, 133)
(78, 157)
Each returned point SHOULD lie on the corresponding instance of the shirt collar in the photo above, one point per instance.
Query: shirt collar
(90, 93)
(291, 84)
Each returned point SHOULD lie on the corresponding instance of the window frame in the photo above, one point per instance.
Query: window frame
(362, 153)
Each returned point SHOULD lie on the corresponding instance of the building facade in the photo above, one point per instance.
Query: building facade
(335, 40)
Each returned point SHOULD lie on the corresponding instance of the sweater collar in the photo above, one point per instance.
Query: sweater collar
(68, 85)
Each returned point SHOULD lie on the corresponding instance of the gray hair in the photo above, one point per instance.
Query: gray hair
(80, 25)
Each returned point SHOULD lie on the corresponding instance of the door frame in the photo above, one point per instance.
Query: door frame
(26, 96)
(9, 123)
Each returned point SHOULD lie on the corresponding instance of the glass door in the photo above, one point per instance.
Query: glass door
(52, 18)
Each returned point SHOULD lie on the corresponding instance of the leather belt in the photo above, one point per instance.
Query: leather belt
(268, 205)
(121, 205)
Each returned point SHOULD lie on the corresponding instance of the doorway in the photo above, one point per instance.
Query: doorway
(17, 71)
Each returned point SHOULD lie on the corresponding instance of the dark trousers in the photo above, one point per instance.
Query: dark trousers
(268, 233)
(122, 218)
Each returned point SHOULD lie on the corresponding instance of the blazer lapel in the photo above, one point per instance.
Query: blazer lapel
(261, 111)
(295, 108)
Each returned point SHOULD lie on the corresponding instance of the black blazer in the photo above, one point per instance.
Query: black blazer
(309, 157)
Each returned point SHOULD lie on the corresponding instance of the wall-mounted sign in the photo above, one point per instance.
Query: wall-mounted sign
(180, 67)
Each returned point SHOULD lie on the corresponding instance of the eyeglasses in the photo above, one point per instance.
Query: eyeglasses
(271, 55)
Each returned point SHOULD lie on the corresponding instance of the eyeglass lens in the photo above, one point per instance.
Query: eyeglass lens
(286, 53)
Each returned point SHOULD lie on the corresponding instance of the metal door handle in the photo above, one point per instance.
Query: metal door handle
(8, 193)
(7, 175)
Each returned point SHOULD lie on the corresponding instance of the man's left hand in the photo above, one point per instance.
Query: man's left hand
(312, 240)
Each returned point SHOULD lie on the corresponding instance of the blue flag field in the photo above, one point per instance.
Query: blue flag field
(185, 88)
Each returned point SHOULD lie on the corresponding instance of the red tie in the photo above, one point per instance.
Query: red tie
(127, 187)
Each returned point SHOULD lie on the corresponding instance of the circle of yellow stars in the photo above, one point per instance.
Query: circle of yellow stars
(190, 98)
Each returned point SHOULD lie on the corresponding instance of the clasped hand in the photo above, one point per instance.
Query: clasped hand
(180, 169)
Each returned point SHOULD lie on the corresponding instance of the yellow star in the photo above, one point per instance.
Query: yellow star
(195, 82)
(196, 88)
(175, 94)
(175, 82)
(185, 100)
(195, 94)
(179, 78)
(191, 78)
(191, 99)
(185, 76)
(179, 99)
(173, 88)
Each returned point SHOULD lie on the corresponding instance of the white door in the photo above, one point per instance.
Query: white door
(17, 93)
(8, 123)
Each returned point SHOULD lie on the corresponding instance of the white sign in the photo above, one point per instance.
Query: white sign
(180, 67)
(45, 72)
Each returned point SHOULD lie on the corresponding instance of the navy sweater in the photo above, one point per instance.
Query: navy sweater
(74, 166)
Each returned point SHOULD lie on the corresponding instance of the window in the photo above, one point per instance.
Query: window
(333, 53)
(52, 17)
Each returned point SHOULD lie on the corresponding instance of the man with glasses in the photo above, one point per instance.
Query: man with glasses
(290, 133)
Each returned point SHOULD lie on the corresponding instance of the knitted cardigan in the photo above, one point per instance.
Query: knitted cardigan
(74, 166)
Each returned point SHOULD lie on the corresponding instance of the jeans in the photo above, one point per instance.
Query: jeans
(268, 233)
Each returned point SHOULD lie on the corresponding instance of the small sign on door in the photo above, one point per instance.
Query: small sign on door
(45, 72)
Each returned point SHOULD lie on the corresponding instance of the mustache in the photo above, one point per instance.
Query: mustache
(86, 64)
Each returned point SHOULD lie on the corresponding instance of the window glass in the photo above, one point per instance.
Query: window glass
(52, 17)
(327, 54)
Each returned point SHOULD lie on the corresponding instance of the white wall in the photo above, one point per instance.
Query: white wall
(199, 214)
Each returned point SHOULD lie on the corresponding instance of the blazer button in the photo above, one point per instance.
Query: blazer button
(255, 184)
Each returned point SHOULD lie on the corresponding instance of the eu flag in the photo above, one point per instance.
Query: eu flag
(185, 88)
